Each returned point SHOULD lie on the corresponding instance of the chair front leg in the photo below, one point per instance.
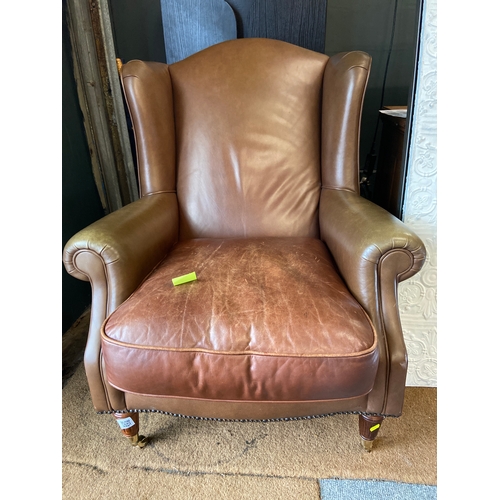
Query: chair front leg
(369, 426)
(129, 424)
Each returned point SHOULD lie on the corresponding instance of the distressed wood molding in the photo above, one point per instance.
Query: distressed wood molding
(117, 108)
(99, 93)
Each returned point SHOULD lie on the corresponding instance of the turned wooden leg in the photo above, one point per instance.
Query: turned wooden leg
(368, 429)
(129, 424)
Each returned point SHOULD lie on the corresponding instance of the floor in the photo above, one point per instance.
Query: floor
(73, 345)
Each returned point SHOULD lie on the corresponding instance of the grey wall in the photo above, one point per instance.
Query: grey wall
(80, 200)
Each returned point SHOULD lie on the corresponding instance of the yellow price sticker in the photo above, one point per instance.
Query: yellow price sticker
(374, 428)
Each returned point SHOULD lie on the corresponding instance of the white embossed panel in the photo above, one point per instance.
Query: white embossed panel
(418, 295)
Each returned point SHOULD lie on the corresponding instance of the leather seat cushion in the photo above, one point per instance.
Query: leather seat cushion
(268, 319)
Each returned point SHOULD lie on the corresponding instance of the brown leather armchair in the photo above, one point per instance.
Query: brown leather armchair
(248, 172)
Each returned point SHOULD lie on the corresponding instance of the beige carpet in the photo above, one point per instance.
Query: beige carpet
(225, 460)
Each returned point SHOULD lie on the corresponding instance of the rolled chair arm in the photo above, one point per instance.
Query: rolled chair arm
(374, 251)
(128, 243)
(361, 236)
(115, 254)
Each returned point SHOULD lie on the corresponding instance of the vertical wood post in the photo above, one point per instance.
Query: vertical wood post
(101, 102)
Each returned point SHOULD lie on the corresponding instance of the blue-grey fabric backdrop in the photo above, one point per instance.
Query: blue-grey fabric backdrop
(192, 25)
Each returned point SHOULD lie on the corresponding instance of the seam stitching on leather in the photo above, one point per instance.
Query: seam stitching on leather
(99, 360)
(382, 316)
(139, 163)
(333, 188)
(404, 250)
(357, 66)
(382, 324)
(160, 192)
(118, 343)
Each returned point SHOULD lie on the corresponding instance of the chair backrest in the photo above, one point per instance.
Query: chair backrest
(235, 130)
(247, 119)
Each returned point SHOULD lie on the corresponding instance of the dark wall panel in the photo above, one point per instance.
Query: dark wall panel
(301, 22)
(367, 26)
(138, 30)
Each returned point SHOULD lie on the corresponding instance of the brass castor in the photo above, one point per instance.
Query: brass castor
(137, 440)
(367, 445)
(129, 424)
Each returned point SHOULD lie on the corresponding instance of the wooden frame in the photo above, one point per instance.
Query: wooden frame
(98, 85)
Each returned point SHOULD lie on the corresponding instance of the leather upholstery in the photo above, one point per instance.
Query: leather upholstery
(148, 92)
(248, 172)
(272, 312)
(248, 140)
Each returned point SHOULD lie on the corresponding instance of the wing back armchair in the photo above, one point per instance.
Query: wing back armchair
(248, 172)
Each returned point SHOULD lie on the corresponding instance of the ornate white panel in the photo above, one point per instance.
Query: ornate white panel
(418, 296)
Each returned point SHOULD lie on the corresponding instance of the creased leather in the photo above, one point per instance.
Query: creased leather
(267, 319)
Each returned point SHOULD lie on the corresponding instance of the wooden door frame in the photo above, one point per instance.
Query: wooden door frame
(101, 102)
